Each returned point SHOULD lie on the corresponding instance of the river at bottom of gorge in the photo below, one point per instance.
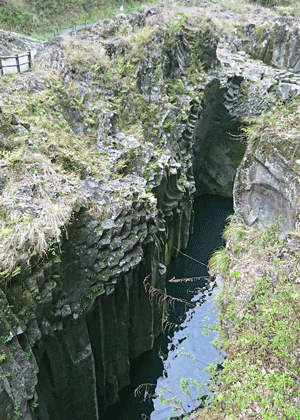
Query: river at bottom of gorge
(164, 367)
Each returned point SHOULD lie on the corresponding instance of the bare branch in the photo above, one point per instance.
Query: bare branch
(162, 297)
(190, 257)
(144, 390)
(168, 325)
(185, 280)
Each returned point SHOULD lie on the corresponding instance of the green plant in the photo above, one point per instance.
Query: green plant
(276, 335)
(79, 103)
(219, 261)
(176, 24)
(14, 156)
(175, 402)
(34, 405)
(5, 338)
(17, 413)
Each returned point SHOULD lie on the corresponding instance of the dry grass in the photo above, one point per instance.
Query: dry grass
(37, 203)
(80, 53)
(42, 164)
(279, 128)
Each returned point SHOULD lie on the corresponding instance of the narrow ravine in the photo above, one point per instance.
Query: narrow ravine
(210, 218)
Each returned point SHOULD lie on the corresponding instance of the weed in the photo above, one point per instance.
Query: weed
(17, 413)
(219, 261)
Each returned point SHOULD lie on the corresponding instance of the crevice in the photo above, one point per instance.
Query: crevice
(93, 322)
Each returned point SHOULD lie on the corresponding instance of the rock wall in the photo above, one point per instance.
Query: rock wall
(92, 314)
(217, 153)
(266, 187)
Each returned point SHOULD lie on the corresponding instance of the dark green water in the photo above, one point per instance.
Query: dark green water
(163, 366)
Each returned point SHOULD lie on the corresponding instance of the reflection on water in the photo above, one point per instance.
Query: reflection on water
(163, 366)
(190, 338)
(211, 213)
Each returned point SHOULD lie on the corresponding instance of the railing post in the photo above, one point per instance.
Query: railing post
(18, 63)
(29, 59)
(1, 68)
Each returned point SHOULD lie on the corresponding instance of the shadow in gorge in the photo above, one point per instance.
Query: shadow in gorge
(162, 366)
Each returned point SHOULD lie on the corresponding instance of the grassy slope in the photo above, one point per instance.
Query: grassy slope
(40, 18)
(59, 155)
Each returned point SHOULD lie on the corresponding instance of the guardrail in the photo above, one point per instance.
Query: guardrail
(71, 27)
(17, 63)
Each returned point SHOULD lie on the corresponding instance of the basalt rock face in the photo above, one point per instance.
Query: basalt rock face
(10, 43)
(241, 87)
(277, 45)
(266, 187)
(218, 150)
(85, 313)
(92, 314)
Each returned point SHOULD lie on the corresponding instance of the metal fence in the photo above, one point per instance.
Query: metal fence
(71, 27)
(17, 63)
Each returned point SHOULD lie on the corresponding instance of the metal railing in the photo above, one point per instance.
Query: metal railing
(72, 27)
(17, 63)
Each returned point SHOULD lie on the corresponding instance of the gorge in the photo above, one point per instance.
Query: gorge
(104, 146)
(163, 366)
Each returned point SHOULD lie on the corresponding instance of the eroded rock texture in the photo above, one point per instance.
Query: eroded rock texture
(92, 314)
(266, 188)
(217, 151)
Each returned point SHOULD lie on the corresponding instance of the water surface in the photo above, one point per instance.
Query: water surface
(163, 366)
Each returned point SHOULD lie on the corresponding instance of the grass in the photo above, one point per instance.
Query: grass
(279, 127)
(58, 158)
(219, 261)
(56, 110)
(261, 373)
(52, 165)
(41, 18)
(258, 310)
(271, 3)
